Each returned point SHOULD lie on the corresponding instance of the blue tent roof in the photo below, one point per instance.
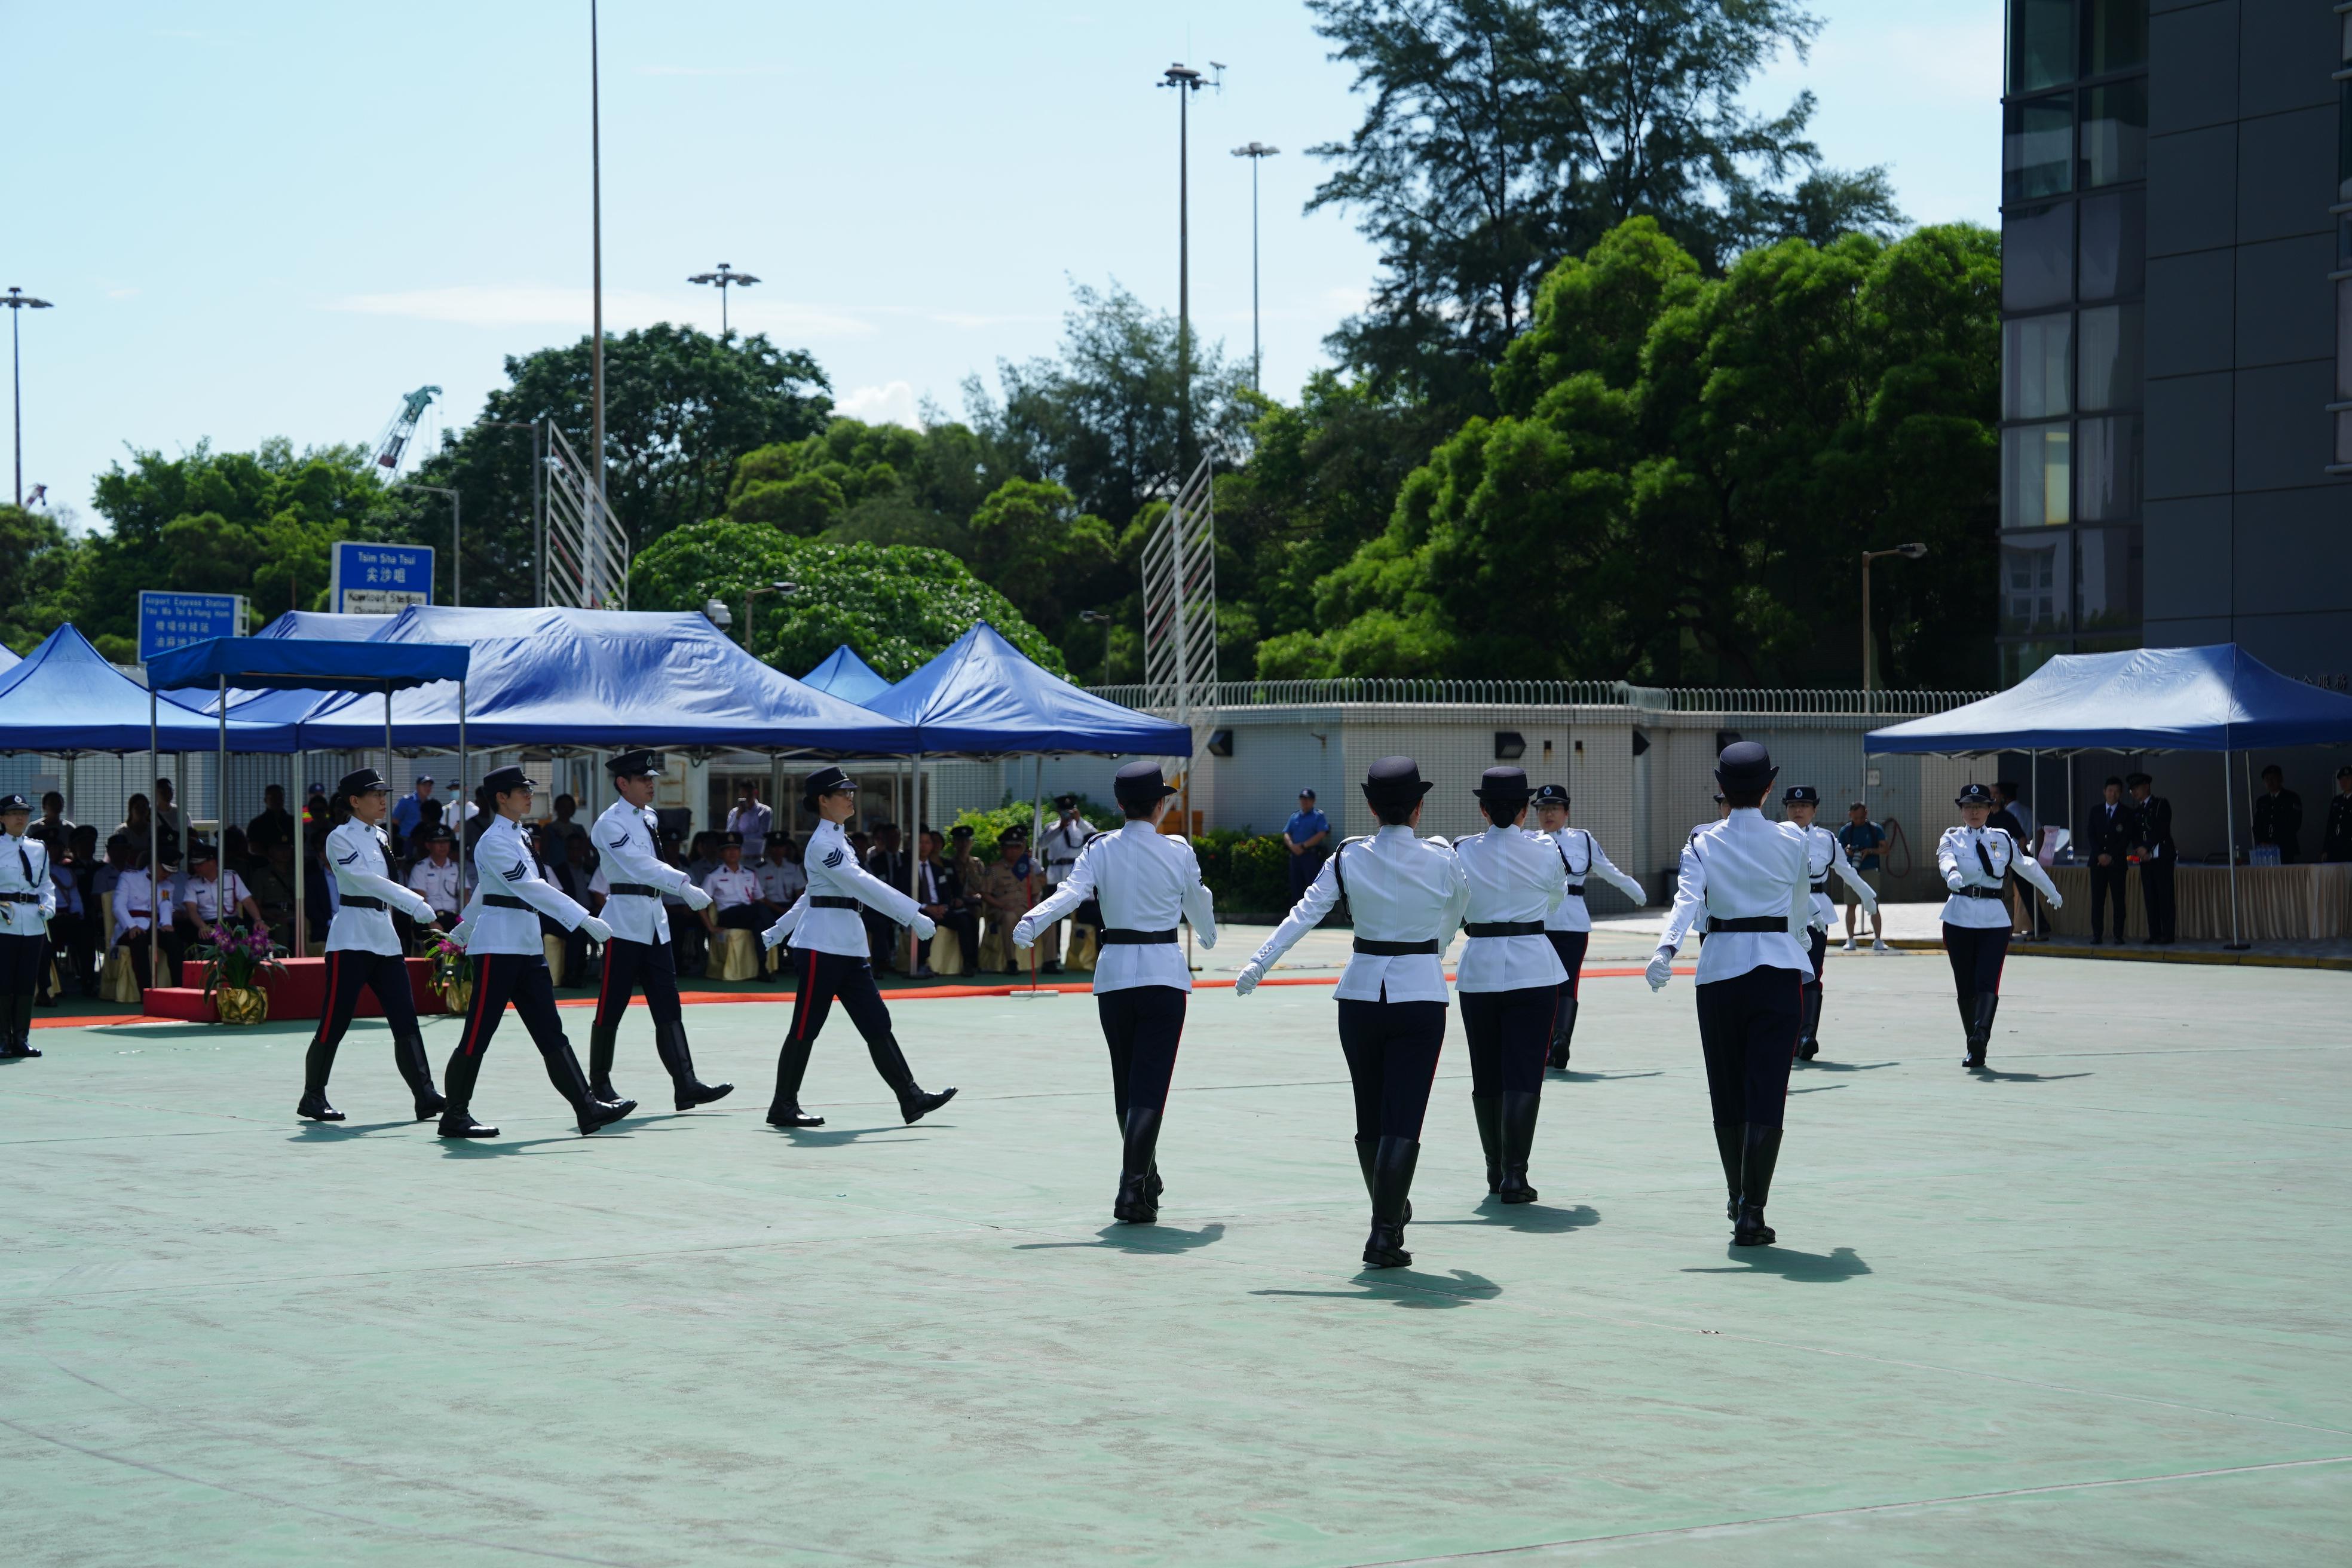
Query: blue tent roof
(65, 697)
(8, 662)
(284, 707)
(982, 696)
(2218, 699)
(598, 678)
(848, 677)
(307, 664)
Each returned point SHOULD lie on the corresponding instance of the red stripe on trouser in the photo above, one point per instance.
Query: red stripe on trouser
(481, 992)
(327, 1013)
(806, 999)
(605, 988)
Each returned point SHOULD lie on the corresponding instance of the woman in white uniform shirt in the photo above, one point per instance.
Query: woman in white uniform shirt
(502, 930)
(1405, 895)
(362, 949)
(1146, 883)
(1975, 860)
(1569, 927)
(1509, 978)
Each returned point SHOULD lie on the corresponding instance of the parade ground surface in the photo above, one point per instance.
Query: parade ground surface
(2088, 1307)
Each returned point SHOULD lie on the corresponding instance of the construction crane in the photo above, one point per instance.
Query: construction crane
(392, 447)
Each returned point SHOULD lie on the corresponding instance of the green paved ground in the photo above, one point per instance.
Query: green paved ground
(2091, 1309)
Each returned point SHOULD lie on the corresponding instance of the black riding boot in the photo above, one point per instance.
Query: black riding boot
(1968, 1005)
(1520, 1108)
(914, 1104)
(563, 1072)
(1988, 1003)
(1728, 1140)
(1488, 1111)
(317, 1064)
(1392, 1164)
(1365, 1150)
(689, 1091)
(1135, 1204)
(602, 1039)
(792, 1065)
(16, 1032)
(416, 1071)
(1760, 1152)
(1563, 1029)
(1809, 1045)
(457, 1114)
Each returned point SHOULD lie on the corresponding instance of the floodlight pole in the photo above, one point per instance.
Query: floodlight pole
(597, 278)
(1255, 152)
(456, 541)
(1869, 651)
(726, 277)
(19, 303)
(1186, 81)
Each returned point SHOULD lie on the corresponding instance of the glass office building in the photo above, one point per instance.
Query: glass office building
(2177, 328)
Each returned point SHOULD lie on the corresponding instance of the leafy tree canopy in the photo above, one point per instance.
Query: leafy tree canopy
(898, 605)
(37, 561)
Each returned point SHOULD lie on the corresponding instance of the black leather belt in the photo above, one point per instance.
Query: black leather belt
(503, 901)
(1822, 885)
(20, 898)
(1504, 928)
(636, 889)
(1576, 890)
(1749, 922)
(1112, 936)
(1979, 892)
(1371, 949)
(355, 902)
(830, 902)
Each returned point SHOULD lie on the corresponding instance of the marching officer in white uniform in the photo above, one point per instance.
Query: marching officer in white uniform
(1824, 854)
(364, 950)
(1974, 859)
(1508, 977)
(1146, 883)
(831, 959)
(1406, 896)
(1064, 842)
(29, 899)
(1744, 880)
(1569, 927)
(502, 930)
(638, 952)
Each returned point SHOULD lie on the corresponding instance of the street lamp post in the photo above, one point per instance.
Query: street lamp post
(456, 536)
(726, 277)
(19, 303)
(1257, 152)
(1869, 641)
(1102, 619)
(537, 501)
(596, 267)
(786, 589)
(1186, 81)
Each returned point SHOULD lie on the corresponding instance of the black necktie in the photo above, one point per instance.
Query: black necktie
(1985, 858)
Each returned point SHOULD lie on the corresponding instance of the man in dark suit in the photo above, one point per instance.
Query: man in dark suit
(2278, 817)
(2337, 844)
(2154, 815)
(2107, 839)
(887, 861)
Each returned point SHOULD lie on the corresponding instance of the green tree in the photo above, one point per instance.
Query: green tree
(1053, 561)
(680, 407)
(897, 605)
(1685, 468)
(860, 483)
(37, 562)
(1500, 135)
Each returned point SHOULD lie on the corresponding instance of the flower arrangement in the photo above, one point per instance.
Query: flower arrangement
(235, 956)
(451, 976)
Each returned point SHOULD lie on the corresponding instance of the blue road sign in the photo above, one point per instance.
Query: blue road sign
(169, 620)
(380, 579)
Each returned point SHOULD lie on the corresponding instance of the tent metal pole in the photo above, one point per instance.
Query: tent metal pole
(220, 809)
(913, 839)
(301, 865)
(155, 841)
(2230, 810)
(387, 732)
(465, 790)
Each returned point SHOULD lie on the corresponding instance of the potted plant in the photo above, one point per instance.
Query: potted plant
(453, 977)
(235, 960)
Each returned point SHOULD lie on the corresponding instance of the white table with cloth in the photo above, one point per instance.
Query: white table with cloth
(2275, 903)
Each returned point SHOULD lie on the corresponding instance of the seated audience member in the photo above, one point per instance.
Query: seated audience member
(736, 901)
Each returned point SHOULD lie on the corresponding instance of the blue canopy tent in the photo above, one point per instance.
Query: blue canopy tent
(306, 663)
(9, 661)
(2216, 699)
(289, 705)
(848, 677)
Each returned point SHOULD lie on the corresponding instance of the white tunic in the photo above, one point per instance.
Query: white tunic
(355, 852)
(780, 881)
(1582, 853)
(200, 891)
(135, 903)
(24, 872)
(624, 840)
(1977, 857)
(834, 873)
(509, 870)
(442, 886)
(1743, 867)
(1145, 880)
(1514, 877)
(728, 888)
(1824, 854)
(1063, 843)
(1400, 888)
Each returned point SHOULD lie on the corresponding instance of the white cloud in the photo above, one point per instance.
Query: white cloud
(125, 293)
(510, 305)
(711, 70)
(891, 403)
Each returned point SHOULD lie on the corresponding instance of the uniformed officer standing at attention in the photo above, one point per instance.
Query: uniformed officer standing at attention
(1974, 859)
(28, 898)
(502, 930)
(1063, 843)
(2336, 843)
(638, 952)
(2107, 840)
(1569, 927)
(1823, 854)
(1744, 880)
(831, 960)
(1406, 895)
(1146, 882)
(2152, 819)
(364, 950)
(1508, 977)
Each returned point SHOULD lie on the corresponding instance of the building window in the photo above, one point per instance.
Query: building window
(2107, 580)
(2037, 256)
(2036, 364)
(2036, 475)
(2041, 44)
(2115, 244)
(2036, 585)
(2115, 36)
(2037, 148)
(2108, 358)
(2115, 132)
(2020, 659)
(2106, 469)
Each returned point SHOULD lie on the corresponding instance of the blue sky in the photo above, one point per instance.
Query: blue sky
(273, 219)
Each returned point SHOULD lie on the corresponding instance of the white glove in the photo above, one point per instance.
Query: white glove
(1661, 969)
(1953, 881)
(419, 911)
(696, 899)
(1025, 934)
(2059, 903)
(924, 927)
(455, 935)
(1247, 981)
(774, 937)
(597, 929)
